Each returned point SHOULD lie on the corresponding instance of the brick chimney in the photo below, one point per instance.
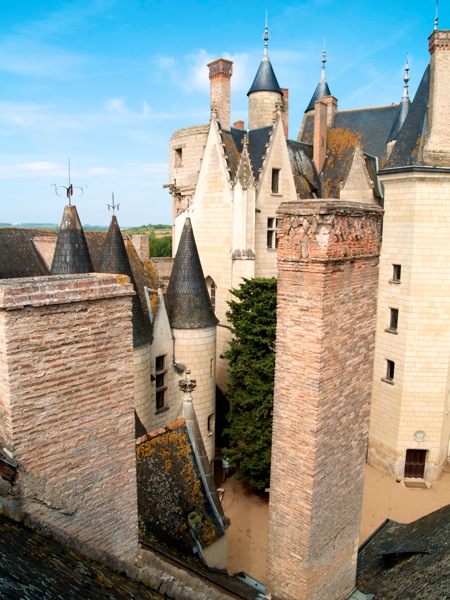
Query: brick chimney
(220, 72)
(285, 111)
(320, 134)
(332, 104)
(437, 143)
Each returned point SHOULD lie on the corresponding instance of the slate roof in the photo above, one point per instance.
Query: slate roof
(33, 567)
(306, 178)
(187, 299)
(265, 79)
(321, 90)
(114, 259)
(423, 551)
(402, 112)
(408, 150)
(19, 257)
(372, 127)
(173, 496)
(71, 252)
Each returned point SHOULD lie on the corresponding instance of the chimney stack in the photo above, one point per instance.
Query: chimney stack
(220, 72)
(437, 143)
(320, 134)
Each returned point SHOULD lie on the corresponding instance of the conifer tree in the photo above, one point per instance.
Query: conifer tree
(251, 357)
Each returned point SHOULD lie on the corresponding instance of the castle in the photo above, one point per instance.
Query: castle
(231, 182)
(90, 350)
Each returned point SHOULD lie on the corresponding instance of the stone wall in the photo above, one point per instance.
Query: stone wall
(262, 108)
(327, 280)
(66, 376)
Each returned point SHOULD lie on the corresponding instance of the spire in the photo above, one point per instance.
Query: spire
(322, 88)
(114, 259)
(71, 251)
(436, 18)
(403, 107)
(187, 299)
(265, 79)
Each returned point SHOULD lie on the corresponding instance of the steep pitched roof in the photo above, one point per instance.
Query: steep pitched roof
(306, 179)
(258, 141)
(34, 567)
(425, 573)
(19, 257)
(187, 299)
(265, 79)
(408, 150)
(371, 126)
(71, 252)
(321, 90)
(402, 112)
(115, 259)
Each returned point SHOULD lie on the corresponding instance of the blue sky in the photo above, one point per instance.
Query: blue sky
(106, 83)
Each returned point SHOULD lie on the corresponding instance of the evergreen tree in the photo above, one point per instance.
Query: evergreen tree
(251, 357)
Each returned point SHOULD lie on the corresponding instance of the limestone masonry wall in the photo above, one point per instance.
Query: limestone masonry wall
(327, 279)
(66, 377)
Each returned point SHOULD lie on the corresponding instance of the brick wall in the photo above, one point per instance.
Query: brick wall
(327, 279)
(66, 365)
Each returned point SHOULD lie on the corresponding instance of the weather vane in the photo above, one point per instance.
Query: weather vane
(113, 206)
(69, 189)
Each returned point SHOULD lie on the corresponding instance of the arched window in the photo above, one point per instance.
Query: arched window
(212, 290)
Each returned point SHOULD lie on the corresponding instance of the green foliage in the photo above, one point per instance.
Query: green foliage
(147, 229)
(251, 357)
(161, 246)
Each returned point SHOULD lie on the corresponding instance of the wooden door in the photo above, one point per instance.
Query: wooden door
(415, 463)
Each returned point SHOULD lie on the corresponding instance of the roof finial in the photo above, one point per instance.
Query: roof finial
(406, 78)
(324, 60)
(266, 38)
(113, 206)
(436, 18)
(69, 189)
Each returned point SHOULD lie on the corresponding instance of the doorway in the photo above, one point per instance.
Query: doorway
(415, 463)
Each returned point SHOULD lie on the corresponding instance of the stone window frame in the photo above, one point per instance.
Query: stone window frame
(396, 273)
(272, 239)
(178, 157)
(160, 382)
(393, 321)
(275, 181)
(390, 371)
(210, 424)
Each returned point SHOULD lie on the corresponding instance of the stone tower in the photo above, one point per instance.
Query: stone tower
(194, 328)
(265, 93)
(327, 280)
(410, 420)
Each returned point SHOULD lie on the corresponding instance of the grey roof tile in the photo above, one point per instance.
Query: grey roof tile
(265, 79)
(71, 252)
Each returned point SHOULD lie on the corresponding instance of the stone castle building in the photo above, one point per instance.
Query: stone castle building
(230, 181)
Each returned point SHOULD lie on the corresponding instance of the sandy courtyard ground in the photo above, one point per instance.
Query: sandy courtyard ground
(384, 498)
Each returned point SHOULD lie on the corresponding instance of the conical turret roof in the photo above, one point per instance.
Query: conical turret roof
(403, 108)
(187, 299)
(265, 80)
(114, 259)
(322, 88)
(71, 251)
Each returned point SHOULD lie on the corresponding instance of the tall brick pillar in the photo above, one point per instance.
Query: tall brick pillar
(220, 72)
(327, 282)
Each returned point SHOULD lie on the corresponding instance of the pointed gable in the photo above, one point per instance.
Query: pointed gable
(71, 252)
(187, 299)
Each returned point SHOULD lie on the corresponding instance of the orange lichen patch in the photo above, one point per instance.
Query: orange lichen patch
(122, 280)
(341, 145)
(170, 489)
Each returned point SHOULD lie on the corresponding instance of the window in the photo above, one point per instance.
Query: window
(393, 323)
(390, 368)
(212, 289)
(161, 387)
(178, 157)
(275, 181)
(272, 224)
(396, 273)
(211, 424)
